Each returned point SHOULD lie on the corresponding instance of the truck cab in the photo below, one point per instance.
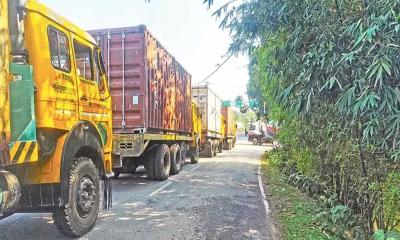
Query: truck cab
(55, 116)
(194, 150)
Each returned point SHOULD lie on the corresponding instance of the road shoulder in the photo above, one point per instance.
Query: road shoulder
(292, 212)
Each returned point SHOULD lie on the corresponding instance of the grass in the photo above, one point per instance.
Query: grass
(295, 212)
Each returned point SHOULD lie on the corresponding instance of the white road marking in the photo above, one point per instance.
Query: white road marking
(264, 197)
(160, 189)
(270, 225)
(194, 169)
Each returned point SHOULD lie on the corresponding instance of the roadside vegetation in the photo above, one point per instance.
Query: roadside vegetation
(329, 73)
(295, 212)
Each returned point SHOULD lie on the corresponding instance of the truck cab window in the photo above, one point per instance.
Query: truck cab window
(99, 71)
(84, 61)
(59, 50)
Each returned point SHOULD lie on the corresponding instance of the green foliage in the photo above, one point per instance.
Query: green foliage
(239, 102)
(328, 71)
(381, 235)
(297, 214)
(391, 201)
(245, 119)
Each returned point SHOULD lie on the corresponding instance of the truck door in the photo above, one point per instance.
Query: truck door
(91, 84)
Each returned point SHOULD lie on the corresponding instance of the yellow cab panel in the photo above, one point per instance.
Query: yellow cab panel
(61, 54)
(197, 126)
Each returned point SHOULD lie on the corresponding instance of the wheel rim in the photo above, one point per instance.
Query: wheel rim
(86, 196)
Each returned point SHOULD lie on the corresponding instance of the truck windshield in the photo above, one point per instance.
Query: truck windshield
(99, 72)
(84, 62)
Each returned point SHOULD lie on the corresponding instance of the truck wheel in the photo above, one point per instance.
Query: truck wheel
(80, 212)
(225, 144)
(132, 170)
(220, 147)
(117, 172)
(214, 152)
(183, 154)
(176, 159)
(208, 150)
(194, 159)
(162, 163)
(149, 166)
(129, 167)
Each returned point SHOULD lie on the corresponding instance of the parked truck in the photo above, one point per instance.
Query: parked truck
(210, 108)
(152, 103)
(194, 150)
(55, 112)
(229, 137)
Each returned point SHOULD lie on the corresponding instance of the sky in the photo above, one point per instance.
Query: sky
(184, 27)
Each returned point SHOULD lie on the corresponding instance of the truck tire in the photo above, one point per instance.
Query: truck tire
(132, 170)
(176, 159)
(149, 166)
(229, 145)
(183, 154)
(78, 216)
(220, 147)
(194, 159)
(117, 172)
(208, 150)
(226, 146)
(214, 150)
(129, 167)
(162, 163)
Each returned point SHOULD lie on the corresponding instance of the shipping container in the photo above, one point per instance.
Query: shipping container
(230, 127)
(152, 103)
(210, 107)
(151, 91)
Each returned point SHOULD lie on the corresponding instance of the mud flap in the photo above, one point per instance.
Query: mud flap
(107, 194)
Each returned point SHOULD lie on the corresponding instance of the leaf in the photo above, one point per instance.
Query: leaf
(386, 66)
(379, 235)
(359, 39)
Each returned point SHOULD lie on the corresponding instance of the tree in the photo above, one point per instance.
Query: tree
(333, 68)
(239, 102)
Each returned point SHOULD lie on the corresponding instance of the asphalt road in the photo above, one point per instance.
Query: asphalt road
(218, 198)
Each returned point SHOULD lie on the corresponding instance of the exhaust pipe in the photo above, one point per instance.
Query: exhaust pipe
(16, 16)
(10, 192)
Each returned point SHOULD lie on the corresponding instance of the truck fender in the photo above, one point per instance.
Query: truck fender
(83, 140)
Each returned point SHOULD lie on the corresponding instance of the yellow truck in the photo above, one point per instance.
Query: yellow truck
(55, 118)
(230, 128)
(210, 108)
(194, 150)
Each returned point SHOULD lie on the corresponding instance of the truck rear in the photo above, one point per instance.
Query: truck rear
(55, 111)
(152, 108)
(230, 128)
(194, 150)
(212, 123)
